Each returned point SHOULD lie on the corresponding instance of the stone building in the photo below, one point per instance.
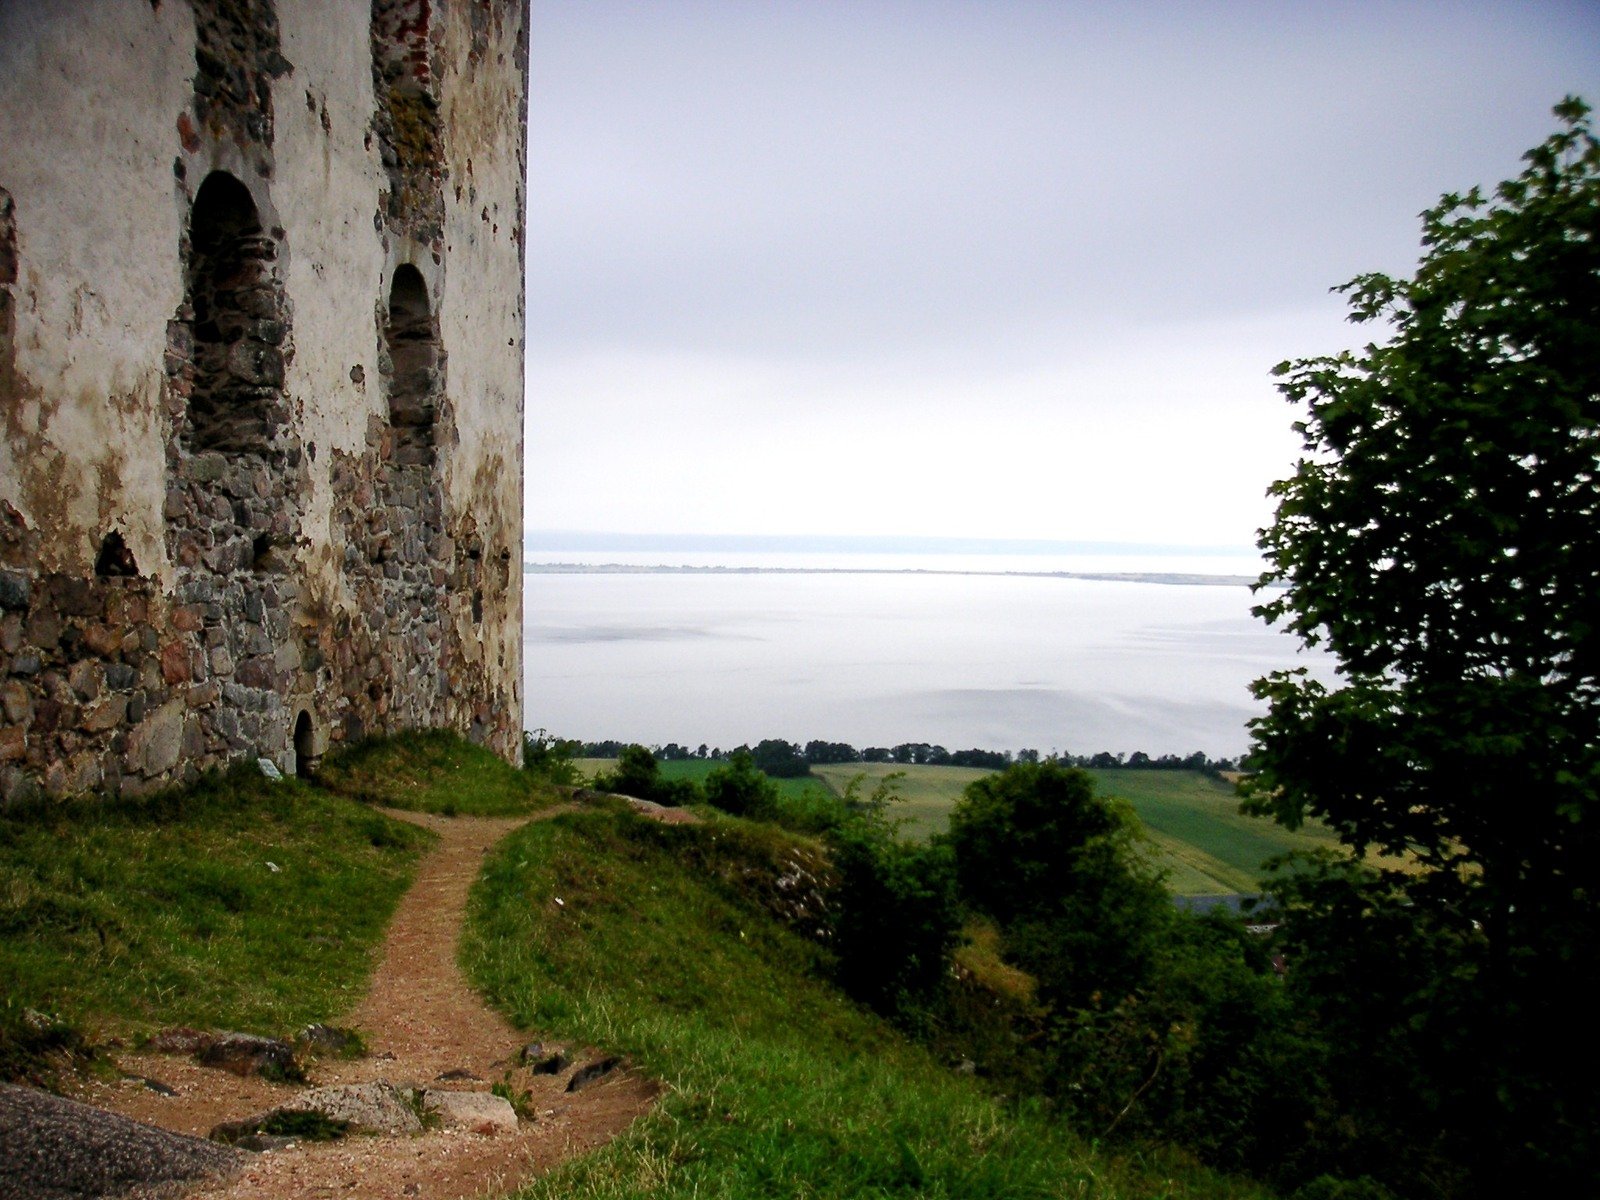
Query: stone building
(261, 330)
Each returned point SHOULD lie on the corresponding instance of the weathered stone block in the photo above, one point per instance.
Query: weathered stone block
(203, 695)
(106, 715)
(13, 744)
(175, 663)
(15, 590)
(155, 743)
(77, 597)
(480, 1112)
(86, 678)
(206, 468)
(43, 628)
(254, 673)
(15, 702)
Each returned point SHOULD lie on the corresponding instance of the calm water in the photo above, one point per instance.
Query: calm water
(877, 659)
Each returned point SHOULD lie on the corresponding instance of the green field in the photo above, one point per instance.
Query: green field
(1198, 835)
(1201, 839)
(696, 769)
(927, 793)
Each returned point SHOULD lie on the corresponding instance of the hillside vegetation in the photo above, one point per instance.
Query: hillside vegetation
(1198, 835)
(660, 946)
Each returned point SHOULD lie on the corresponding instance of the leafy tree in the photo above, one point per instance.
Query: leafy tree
(1157, 1024)
(1061, 870)
(991, 760)
(820, 752)
(780, 759)
(1441, 537)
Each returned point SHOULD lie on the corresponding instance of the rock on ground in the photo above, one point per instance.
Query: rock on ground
(56, 1149)
(481, 1112)
(361, 1107)
(248, 1054)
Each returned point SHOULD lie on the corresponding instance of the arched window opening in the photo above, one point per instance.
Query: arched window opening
(306, 758)
(238, 327)
(413, 343)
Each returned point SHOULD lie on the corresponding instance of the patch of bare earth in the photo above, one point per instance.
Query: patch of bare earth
(420, 1021)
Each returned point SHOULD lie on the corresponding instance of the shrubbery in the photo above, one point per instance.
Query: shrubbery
(1141, 1021)
(550, 757)
(638, 774)
(1155, 1023)
(741, 789)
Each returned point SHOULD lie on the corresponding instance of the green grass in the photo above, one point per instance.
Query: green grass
(434, 772)
(1200, 835)
(777, 1086)
(1197, 833)
(927, 793)
(696, 770)
(169, 910)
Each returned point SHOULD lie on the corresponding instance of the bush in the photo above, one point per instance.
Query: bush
(1156, 1024)
(551, 758)
(638, 775)
(739, 788)
(895, 915)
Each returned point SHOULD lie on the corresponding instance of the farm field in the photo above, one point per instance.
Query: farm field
(696, 769)
(1197, 833)
(927, 793)
(1202, 838)
(1199, 836)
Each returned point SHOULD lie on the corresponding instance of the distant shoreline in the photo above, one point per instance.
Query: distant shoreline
(1162, 577)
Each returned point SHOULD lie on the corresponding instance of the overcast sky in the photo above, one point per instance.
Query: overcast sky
(979, 269)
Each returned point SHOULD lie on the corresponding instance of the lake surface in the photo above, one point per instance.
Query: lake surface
(962, 660)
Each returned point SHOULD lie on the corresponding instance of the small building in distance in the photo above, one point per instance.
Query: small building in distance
(261, 381)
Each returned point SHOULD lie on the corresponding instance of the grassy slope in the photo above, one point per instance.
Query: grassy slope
(1200, 837)
(434, 772)
(167, 911)
(778, 1086)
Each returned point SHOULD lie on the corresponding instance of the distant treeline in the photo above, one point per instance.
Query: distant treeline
(782, 759)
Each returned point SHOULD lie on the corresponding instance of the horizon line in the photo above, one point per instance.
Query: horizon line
(823, 543)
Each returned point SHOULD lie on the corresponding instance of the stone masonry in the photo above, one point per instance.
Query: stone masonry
(261, 333)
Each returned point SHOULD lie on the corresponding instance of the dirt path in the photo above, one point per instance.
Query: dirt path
(420, 1021)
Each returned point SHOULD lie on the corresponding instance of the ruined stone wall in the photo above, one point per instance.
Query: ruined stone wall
(260, 381)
